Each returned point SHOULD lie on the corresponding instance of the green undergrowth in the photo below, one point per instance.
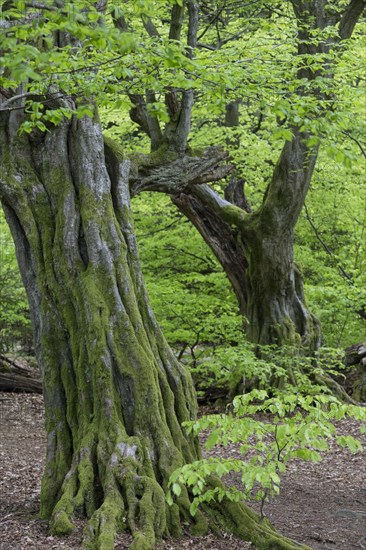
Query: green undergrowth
(267, 432)
(242, 367)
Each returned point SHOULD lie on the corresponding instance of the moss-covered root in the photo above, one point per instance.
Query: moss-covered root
(131, 497)
(142, 509)
(242, 521)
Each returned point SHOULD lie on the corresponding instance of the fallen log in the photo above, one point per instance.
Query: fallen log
(355, 357)
(19, 377)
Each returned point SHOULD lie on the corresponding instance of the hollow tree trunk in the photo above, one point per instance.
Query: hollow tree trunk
(115, 396)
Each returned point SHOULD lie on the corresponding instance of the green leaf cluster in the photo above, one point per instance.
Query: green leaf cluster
(267, 433)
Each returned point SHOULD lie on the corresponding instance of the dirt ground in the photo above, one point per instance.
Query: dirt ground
(321, 505)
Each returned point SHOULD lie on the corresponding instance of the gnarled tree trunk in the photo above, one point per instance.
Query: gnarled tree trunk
(256, 253)
(276, 307)
(115, 396)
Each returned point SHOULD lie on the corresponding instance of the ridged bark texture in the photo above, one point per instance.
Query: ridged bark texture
(115, 395)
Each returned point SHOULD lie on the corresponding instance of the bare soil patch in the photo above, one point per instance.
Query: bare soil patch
(321, 505)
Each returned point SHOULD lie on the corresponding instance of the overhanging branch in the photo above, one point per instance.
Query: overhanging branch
(179, 174)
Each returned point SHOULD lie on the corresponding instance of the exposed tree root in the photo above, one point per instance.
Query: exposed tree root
(130, 497)
(130, 494)
(242, 521)
(336, 389)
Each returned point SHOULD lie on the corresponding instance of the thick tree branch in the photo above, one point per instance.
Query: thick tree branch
(233, 215)
(205, 209)
(17, 376)
(139, 114)
(150, 28)
(179, 174)
(285, 195)
(179, 136)
(350, 17)
(287, 190)
(176, 22)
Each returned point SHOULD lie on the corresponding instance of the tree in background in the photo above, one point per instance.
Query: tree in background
(256, 248)
(15, 331)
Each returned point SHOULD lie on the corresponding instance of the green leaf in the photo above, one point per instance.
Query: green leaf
(177, 489)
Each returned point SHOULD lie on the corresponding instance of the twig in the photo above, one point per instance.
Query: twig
(356, 141)
(325, 246)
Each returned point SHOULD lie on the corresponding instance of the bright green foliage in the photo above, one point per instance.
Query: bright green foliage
(294, 427)
(330, 247)
(31, 58)
(15, 329)
(190, 295)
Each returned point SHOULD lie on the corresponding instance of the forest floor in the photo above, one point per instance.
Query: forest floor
(322, 505)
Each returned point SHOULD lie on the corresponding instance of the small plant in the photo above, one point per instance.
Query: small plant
(293, 426)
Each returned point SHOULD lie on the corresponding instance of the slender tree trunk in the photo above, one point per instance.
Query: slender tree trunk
(115, 396)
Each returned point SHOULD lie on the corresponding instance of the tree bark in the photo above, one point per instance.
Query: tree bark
(115, 396)
(276, 307)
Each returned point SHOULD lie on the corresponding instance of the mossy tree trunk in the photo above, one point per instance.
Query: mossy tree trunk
(115, 396)
(276, 309)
